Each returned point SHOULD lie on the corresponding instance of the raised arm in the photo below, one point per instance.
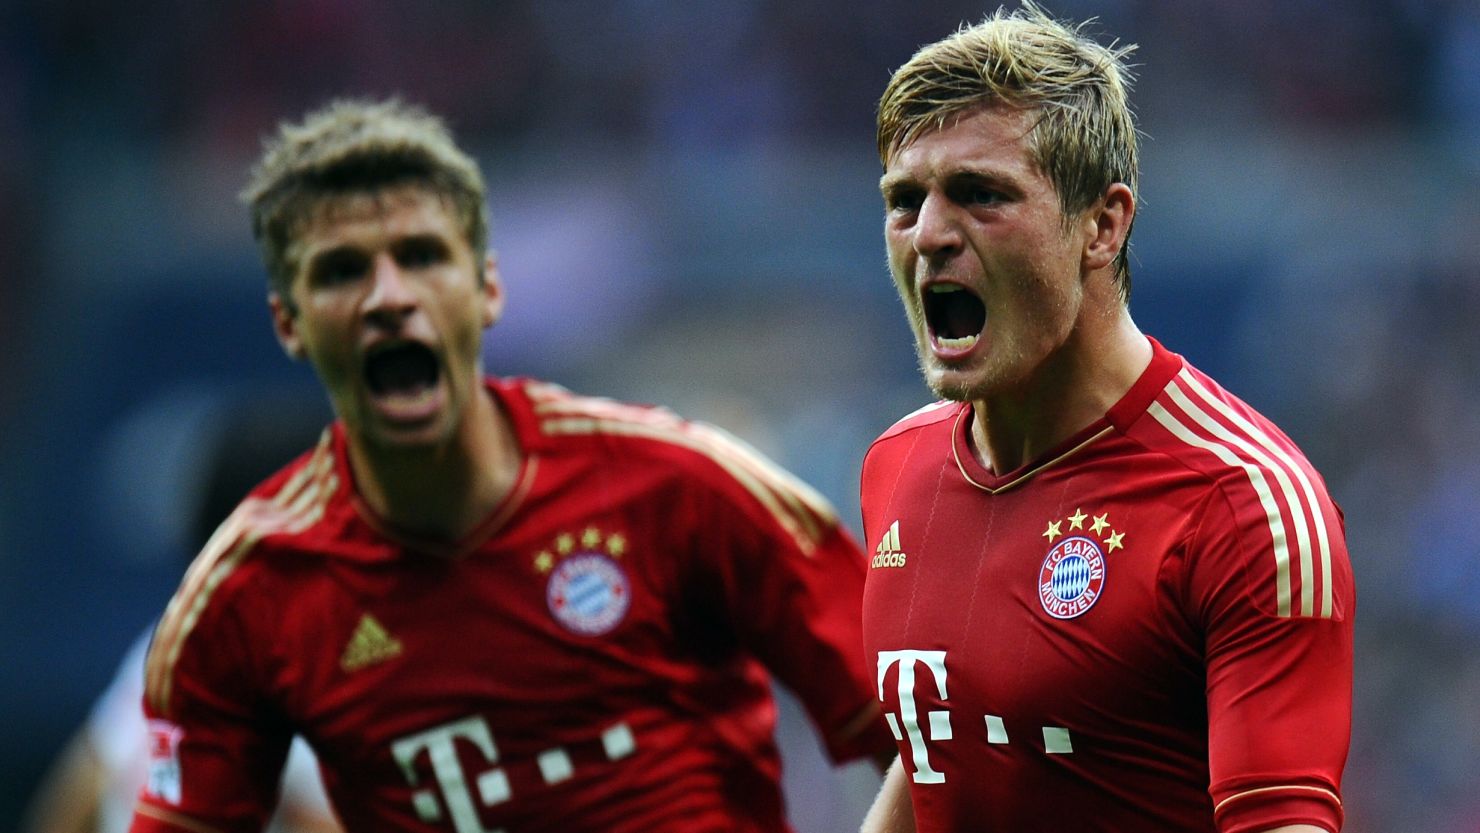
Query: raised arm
(891, 811)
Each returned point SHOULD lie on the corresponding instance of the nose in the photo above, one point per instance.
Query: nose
(391, 297)
(937, 233)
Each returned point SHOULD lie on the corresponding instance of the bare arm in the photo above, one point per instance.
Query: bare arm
(891, 812)
(67, 801)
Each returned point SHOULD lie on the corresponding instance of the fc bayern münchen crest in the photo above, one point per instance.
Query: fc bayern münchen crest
(588, 593)
(1072, 578)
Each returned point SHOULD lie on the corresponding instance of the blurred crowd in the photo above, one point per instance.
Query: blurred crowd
(685, 205)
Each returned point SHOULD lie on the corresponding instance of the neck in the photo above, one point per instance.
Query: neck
(442, 493)
(1072, 389)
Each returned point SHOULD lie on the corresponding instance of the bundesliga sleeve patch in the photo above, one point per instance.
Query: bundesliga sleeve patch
(164, 761)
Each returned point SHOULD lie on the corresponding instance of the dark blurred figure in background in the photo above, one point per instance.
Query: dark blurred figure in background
(96, 779)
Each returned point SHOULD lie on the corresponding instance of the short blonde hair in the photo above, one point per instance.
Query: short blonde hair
(350, 147)
(1085, 137)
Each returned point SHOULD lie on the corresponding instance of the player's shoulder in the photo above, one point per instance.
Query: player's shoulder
(691, 454)
(575, 423)
(291, 501)
(1272, 500)
(274, 517)
(1204, 427)
(558, 412)
(922, 417)
(234, 573)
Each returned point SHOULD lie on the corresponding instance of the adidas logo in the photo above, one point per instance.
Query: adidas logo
(371, 643)
(887, 553)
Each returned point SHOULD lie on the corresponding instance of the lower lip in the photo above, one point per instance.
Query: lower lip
(945, 353)
(410, 411)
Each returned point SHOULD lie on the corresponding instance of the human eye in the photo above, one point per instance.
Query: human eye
(421, 252)
(338, 267)
(902, 200)
(980, 193)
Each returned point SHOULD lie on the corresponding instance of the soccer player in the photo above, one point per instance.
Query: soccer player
(1107, 595)
(487, 603)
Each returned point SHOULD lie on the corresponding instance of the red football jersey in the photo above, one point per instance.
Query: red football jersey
(1148, 629)
(592, 657)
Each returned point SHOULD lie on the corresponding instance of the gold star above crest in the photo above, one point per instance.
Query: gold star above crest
(1100, 523)
(544, 561)
(616, 545)
(1113, 542)
(1076, 520)
(565, 543)
(1053, 530)
(591, 537)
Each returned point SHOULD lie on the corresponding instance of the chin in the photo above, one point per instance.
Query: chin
(408, 439)
(952, 384)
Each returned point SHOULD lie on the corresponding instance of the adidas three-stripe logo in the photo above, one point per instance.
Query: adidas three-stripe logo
(888, 552)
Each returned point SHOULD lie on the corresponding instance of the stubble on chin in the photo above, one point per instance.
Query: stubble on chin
(953, 391)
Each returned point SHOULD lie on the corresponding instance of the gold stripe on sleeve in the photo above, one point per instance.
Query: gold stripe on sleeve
(1301, 787)
(298, 505)
(794, 510)
(1261, 488)
(1323, 541)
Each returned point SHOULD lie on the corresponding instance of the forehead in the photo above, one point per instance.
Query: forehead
(371, 218)
(993, 138)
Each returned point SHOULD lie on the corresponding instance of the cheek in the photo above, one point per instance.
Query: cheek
(466, 333)
(901, 261)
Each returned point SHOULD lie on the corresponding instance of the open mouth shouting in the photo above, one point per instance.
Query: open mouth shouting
(402, 378)
(954, 317)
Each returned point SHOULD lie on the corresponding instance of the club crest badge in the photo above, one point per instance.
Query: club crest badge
(1072, 577)
(587, 591)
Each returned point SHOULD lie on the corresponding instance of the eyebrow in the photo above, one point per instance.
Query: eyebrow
(330, 253)
(891, 181)
(888, 181)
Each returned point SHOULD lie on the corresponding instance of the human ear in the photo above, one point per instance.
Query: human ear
(1108, 223)
(285, 325)
(493, 291)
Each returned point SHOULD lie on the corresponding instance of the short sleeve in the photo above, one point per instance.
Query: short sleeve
(1279, 657)
(215, 754)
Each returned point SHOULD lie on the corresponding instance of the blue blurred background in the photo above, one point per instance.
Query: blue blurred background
(685, 205)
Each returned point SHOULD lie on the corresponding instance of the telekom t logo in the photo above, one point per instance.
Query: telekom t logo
(938, 722)
(459, 793)
(440, 746)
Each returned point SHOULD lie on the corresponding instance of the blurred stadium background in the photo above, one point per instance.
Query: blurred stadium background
(684, 201)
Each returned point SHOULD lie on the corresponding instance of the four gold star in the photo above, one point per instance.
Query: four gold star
(1113, 540)
(591, 538)
(1100, 523)
(1053, 531)
(1076, 520)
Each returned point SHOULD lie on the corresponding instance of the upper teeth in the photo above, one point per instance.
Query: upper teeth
(943, 288)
